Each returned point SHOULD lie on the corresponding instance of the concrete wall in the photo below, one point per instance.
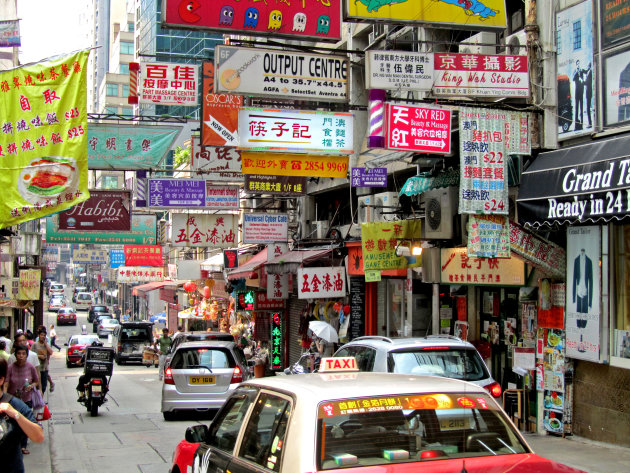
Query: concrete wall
(601, 409)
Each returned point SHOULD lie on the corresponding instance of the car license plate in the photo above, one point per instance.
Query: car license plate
(454, 423)
(202, 380)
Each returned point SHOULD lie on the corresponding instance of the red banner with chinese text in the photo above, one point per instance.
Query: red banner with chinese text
(143, 255)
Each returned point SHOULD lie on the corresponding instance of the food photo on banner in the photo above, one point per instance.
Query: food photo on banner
(583, 295)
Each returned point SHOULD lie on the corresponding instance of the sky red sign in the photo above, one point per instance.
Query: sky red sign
(418, 129)
(143, 255)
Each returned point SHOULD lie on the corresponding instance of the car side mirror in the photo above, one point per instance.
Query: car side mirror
(196, 433)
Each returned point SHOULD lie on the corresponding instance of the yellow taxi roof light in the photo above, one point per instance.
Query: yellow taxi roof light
(342, 363)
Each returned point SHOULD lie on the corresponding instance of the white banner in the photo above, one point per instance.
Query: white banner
(219, 164)
(201, 230)
(139, 274)
(394, 70)
(278, 286)
(86, 256)
(168, 83)
(265, 228)
(317, 283)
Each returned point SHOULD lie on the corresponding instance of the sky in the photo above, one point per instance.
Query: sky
(49, 28)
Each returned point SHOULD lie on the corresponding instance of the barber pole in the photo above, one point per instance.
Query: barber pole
(134, 67)
(376, 138)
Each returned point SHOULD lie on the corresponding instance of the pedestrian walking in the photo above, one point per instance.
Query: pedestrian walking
(4, 332)
(30, 338)
(164, 344)
(22, 421)
(53, 338)
(43, 351)
(3, 352)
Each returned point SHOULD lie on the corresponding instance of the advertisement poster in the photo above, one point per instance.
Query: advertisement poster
(105, 210)
(615, 21)
(264, 227)
(379, 241)
(480, 75)
(218, 164)
(275, 185)
(316, 21)
(300, 131)
(204, 230)
(143, 232)
(488, 236)
(279, 73)
(529, 315)
(583, 299)
(550, 305)
(318, 283)
(219, 112)
(398, 70)
(143, 255)
(168, 84)
(483, 180)
(290, 164)
(43, 144)
(487, 14)
(418, 129)
(617, 88)
(577, 99)
(10, 33)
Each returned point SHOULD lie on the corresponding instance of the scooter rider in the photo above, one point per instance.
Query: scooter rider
(84, 378)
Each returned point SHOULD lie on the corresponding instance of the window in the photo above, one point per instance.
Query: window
(458, 364)
(125, 90)
(196, 357)
(112, 90)
(364, 356)
(126, 47)
(124, 69)
(577, 35)
(227, 424)
(265, 432)
(130, 27)
(113, 110)
(127, 111)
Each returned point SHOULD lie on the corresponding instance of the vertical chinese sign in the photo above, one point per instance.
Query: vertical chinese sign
(483, 181)
(276, 356)
(43, 138)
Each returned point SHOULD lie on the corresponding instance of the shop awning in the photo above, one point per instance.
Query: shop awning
(214, 263)
(142, 289)
(578, 184)
(425, 181)
(248, 269)
(290, 261)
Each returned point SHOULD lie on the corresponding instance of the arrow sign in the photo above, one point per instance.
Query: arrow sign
(418, 129)
(177, 193)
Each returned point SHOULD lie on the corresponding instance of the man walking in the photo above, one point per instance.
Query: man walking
(44, 352)
(164, 343)
(53, 338)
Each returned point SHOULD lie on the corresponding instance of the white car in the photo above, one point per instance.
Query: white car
(107, 326)
(83, 301)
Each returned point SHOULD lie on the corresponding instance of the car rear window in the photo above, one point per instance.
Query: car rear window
(84, 296)
(82, 339)
(415, 427)
(100, 308)
(56, 286)
(211, 358)
(135, 333)
(455, 363)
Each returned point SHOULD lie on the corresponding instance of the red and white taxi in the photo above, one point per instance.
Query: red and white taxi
(340, 420)
(66, 316)
(76, 346)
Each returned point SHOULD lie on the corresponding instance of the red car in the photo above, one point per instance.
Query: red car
(183, 456)
(66, 316)
(76, 346)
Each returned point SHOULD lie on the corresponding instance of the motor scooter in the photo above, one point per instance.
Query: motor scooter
(308, 363)
(93, 384)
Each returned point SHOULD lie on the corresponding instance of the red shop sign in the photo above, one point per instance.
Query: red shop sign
(262, 303)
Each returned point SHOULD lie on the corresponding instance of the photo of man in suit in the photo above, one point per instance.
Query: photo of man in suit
(582, 289)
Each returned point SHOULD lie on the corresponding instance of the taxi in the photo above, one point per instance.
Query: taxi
(340, 419)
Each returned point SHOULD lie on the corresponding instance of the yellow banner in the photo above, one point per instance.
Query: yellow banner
(379, 241)
(43, 138)
(309, 165)
(485, 14)
(28, 286)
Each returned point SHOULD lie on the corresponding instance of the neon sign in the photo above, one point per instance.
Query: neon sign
(277, 349)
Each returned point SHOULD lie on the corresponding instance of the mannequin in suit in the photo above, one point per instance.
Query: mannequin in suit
(582, 289)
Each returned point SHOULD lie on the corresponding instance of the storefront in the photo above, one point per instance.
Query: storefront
(581, 196)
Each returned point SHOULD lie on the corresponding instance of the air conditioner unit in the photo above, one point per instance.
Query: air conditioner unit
(471, 45)
(513, 42)
(440, 205)
(365, 211)
(320, 229)
(384, 204)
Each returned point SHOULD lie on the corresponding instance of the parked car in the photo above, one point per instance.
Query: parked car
(56, 302)
(66, 316)
(435, 355)
(129, 340)
(83, 301)
(363, 422)
(181, 337)
(97, 308)
(101, 316)
(201, 376)
(76, 346)
(76, 290)
(57, 288)
(106, 326)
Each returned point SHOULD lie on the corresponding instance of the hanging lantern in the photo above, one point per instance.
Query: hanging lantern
(206, 292)
(346, 309)
(190, 286)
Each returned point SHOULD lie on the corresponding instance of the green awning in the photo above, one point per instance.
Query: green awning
(425, 181)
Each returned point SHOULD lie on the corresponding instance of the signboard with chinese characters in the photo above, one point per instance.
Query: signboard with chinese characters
(317, 283)
(10, 33)
(615, 21)
(218, 164)
(177, 193)
(116, 257)
(316, 21)
(201, 230)
(105, 210)
(89, 256)
(543, 254)
(143, 255)
(278, 185)
(282, 131)
(245, 300)
(44, 138)
(129, 147)
(272, 73)
(398, 70)
(222, 197)
(264, 227)
(368, 177)
(219, 113)
(483, 180)
(459, 268)
(481, 75)
(29, 284)
(418, 129)
(265, 303)
(143, 232)
(290, 164)
(168, 84)
(379, 241)
(276, 357)
(488, 236)
(278, 286)
(126, 274)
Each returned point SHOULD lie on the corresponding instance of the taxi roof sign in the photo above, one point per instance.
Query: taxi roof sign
(342, 363)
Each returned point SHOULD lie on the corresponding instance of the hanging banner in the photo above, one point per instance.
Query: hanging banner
(131, 274)
(488, 236)
(29, 283)
(483, 181)
(129, 147)
(278, 286)
(203, 230)
(265, 228)
(43, 144)
(398, 70)
(459, 268)
(280, 131)
(379, 241)
(168, 84)
(89, 256)
(218, 164)
(318, 283)
(537, 251)
(143, 255)
(10, 33)
(575, 71)
(105, 210)
(143, 232)
(583, 296)
(290, 164)
(418, 129)
(281, 74)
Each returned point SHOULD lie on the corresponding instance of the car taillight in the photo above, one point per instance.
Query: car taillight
(435, 348)
(100, 326)
(237, 376)
(494, 389)
(168, 376)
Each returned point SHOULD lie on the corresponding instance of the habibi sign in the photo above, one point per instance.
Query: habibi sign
(105, 210)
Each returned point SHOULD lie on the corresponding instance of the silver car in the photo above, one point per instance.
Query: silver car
(106, 326)
(434, 355)
(201, 376)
